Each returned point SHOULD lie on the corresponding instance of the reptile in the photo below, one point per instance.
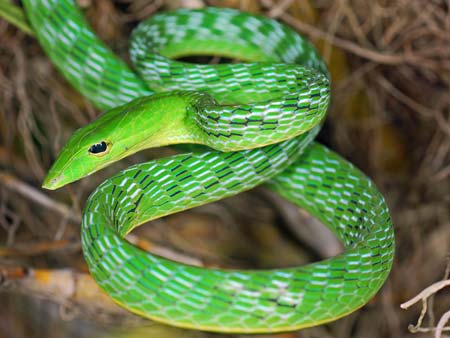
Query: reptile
(253, 122)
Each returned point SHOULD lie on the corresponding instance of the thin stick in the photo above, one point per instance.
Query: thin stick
(427, 292)
(33, 194)
(373, 55)
(441, 325)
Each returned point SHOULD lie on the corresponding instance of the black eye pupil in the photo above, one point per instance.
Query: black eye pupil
(98, 148)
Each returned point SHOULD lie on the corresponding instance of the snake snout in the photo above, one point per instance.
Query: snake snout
(52, 183)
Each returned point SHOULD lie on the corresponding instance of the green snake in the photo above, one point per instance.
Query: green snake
(258, 120)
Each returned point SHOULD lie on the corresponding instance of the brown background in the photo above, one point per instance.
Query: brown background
(390, 115)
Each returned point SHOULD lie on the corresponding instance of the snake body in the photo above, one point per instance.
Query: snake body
(260, 117)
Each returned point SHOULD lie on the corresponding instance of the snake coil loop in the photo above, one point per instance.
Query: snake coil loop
(260, 117)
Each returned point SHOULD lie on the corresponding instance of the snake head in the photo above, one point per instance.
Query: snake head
(82, 155)
(146, 122)
(89, 149)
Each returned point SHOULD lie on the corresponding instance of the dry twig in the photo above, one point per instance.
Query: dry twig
(424, 296)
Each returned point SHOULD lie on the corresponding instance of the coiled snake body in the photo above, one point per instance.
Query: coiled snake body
(260, 117)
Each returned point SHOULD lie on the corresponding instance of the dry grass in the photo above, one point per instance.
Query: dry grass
(390, 62)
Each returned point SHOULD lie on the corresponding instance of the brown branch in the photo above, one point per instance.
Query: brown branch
(27, 191)
(373, 55)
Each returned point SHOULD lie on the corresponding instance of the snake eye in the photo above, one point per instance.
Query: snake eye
(99, 149)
